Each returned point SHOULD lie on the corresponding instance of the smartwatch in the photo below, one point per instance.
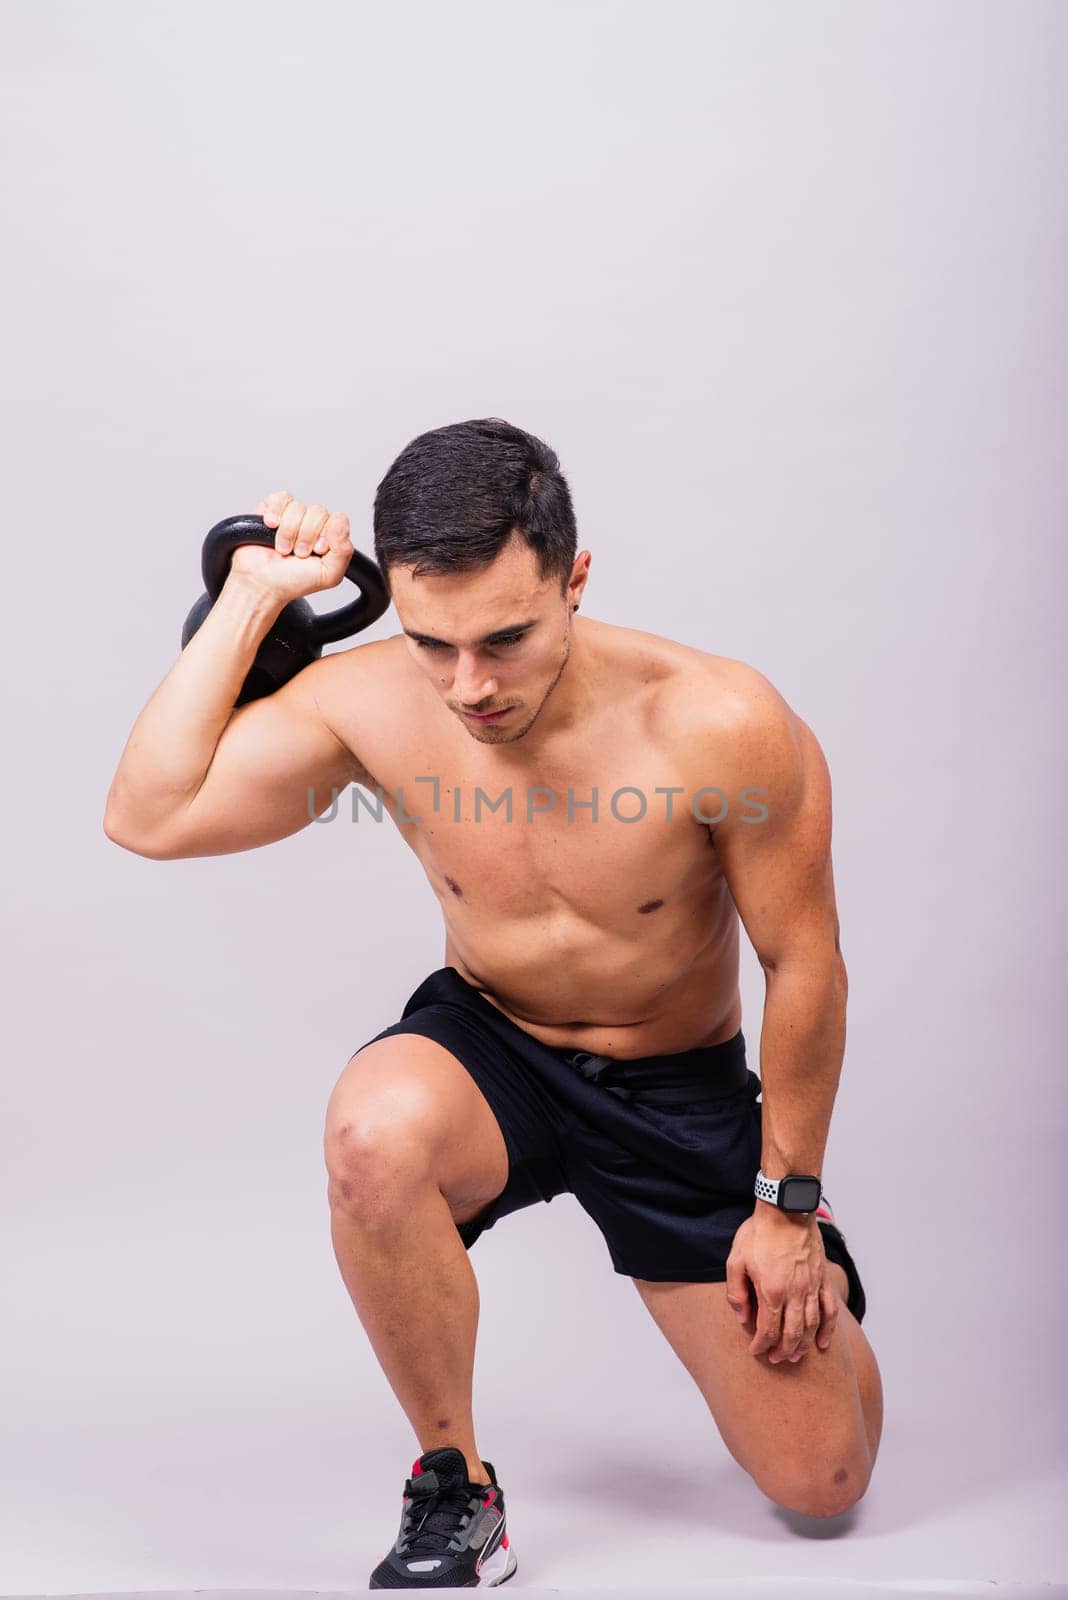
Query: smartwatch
(797, 1192)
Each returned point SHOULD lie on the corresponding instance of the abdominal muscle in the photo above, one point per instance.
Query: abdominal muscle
(611, 997)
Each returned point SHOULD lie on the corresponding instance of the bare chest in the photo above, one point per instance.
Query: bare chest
(611, 839)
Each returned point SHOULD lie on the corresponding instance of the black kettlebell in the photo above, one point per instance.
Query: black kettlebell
(299, 632)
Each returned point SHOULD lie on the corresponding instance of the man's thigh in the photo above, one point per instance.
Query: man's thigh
(409, 1093)
(797, 1428)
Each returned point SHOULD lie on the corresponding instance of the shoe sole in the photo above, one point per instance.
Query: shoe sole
(498, 1569)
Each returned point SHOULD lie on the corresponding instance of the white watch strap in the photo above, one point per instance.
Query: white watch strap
(766, 1188)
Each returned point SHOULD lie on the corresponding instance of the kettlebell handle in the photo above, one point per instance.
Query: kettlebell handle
(226, 536)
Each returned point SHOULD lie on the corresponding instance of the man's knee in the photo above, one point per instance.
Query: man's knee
(380, 1136)
(826, 1489)
(405, 1114)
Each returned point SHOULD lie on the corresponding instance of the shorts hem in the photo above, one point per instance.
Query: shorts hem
(838, 1252)
(684, 1275)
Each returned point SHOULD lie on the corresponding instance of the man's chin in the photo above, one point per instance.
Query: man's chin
(499, 732)
(491, 734)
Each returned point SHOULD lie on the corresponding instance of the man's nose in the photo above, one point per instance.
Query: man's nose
(472, 683)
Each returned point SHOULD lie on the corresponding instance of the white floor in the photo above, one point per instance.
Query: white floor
(755, 1589)
(246, 1443)
(610, 1518)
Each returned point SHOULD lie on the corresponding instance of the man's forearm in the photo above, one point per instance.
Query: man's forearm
(802, 1041)
(174, 738)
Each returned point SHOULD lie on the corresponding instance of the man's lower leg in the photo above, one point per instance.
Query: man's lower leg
(414, 1290)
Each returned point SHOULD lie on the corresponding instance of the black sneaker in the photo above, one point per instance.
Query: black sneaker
(452, 1531)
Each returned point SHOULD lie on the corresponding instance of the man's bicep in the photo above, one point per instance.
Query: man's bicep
(277, 766)
(778, 868)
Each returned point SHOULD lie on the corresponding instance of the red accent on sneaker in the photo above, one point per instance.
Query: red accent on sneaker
(417, 1470)
(489, 1495)
(504, 1541)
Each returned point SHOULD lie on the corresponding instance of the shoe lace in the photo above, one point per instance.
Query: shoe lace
(437, 1515)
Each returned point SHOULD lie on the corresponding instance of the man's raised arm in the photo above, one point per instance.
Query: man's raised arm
(199, 778)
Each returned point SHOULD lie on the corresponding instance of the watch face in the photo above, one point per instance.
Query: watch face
(800, 1194)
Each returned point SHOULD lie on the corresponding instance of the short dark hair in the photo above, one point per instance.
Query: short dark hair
(454, 496)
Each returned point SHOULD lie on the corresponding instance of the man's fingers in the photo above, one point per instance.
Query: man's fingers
(829, 1308)
(737, 1290)
(812, 1320)
(810, 1327)
(270, 508)
(793, 1329)
(768, 1327)
(289, 527)
(312, 524)
(335, 563)
(334, 533)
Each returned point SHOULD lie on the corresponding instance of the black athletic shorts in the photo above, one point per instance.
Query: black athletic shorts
(662, 1152)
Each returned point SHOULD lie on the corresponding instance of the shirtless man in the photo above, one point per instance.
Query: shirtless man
(583, 1035)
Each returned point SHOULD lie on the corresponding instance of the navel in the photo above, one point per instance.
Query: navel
(650, 905)
(455, 887)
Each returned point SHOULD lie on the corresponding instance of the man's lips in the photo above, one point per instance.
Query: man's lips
(488, 716)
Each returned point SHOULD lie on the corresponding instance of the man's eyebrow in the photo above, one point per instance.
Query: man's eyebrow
(489, 638)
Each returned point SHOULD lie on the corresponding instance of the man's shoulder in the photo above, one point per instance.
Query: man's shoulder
(372, 666)
(735, 730)
(370, 654)
(674, 668)
(726, 724)
(704, 692)
(355, 691)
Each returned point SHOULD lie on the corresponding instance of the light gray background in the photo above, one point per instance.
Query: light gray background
(782, 286)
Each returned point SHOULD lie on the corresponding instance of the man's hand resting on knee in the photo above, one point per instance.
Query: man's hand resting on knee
(784, 1259)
